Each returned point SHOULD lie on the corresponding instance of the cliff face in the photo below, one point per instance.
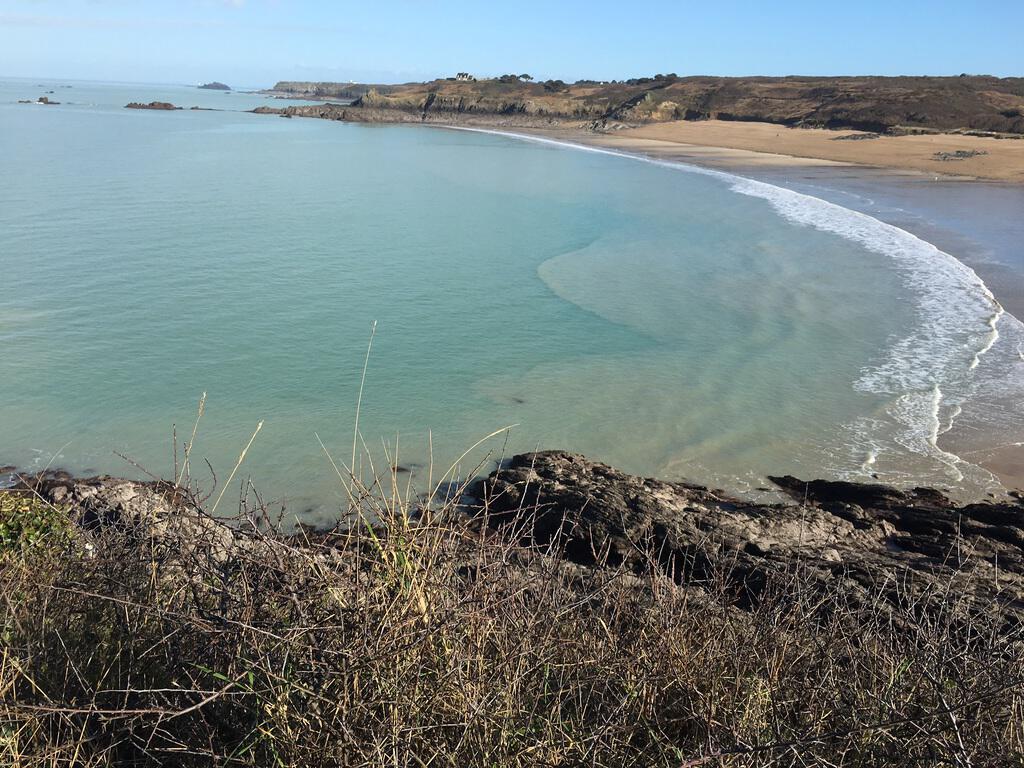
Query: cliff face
(895, 104)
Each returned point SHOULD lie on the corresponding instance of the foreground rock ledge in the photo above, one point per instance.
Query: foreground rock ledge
(864, 541)
(869, 540)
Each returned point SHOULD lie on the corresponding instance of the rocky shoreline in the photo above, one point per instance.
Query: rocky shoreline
(868, 541)
(355, 113)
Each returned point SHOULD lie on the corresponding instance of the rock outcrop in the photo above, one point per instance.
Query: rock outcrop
(158, 105)
(155, 514)
(215, 86)
(868, 540)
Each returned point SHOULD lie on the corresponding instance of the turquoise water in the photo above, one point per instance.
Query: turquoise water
(673, 322)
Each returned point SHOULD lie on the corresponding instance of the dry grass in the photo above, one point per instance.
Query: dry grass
(427, 641)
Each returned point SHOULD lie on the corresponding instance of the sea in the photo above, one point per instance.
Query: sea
(420, 303)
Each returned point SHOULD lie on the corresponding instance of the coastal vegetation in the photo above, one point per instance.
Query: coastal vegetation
(552, 615)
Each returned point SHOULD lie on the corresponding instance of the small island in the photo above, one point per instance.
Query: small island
(159, 105)
(215, 86)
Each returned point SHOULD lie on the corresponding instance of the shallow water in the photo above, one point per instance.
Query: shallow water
(673, 322)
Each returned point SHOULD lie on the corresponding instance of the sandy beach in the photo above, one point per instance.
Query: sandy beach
(730, 144)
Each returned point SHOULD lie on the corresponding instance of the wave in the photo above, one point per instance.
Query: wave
(957, 322)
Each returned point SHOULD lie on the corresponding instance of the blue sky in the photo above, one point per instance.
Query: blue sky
(255, 42)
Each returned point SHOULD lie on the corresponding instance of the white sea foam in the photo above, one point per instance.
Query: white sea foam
(956, 411)
(957, 320)
(993, 335)
(869, 460)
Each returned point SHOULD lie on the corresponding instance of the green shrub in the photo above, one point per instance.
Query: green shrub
(26, 522)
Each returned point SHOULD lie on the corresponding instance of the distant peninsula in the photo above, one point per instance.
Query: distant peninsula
(891, 105)
(215, 86)
(953, 126)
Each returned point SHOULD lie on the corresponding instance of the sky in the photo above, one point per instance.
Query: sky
(253, 43)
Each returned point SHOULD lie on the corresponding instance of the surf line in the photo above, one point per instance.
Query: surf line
(951, 460)
(993, 334)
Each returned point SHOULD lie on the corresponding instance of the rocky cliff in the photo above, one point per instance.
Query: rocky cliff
(882, 104)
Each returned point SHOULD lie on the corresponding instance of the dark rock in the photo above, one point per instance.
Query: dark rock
(215, 86)
(873, 538)
(158, 105)
(866, 494)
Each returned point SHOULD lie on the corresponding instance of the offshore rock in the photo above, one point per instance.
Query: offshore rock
(158, 105)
